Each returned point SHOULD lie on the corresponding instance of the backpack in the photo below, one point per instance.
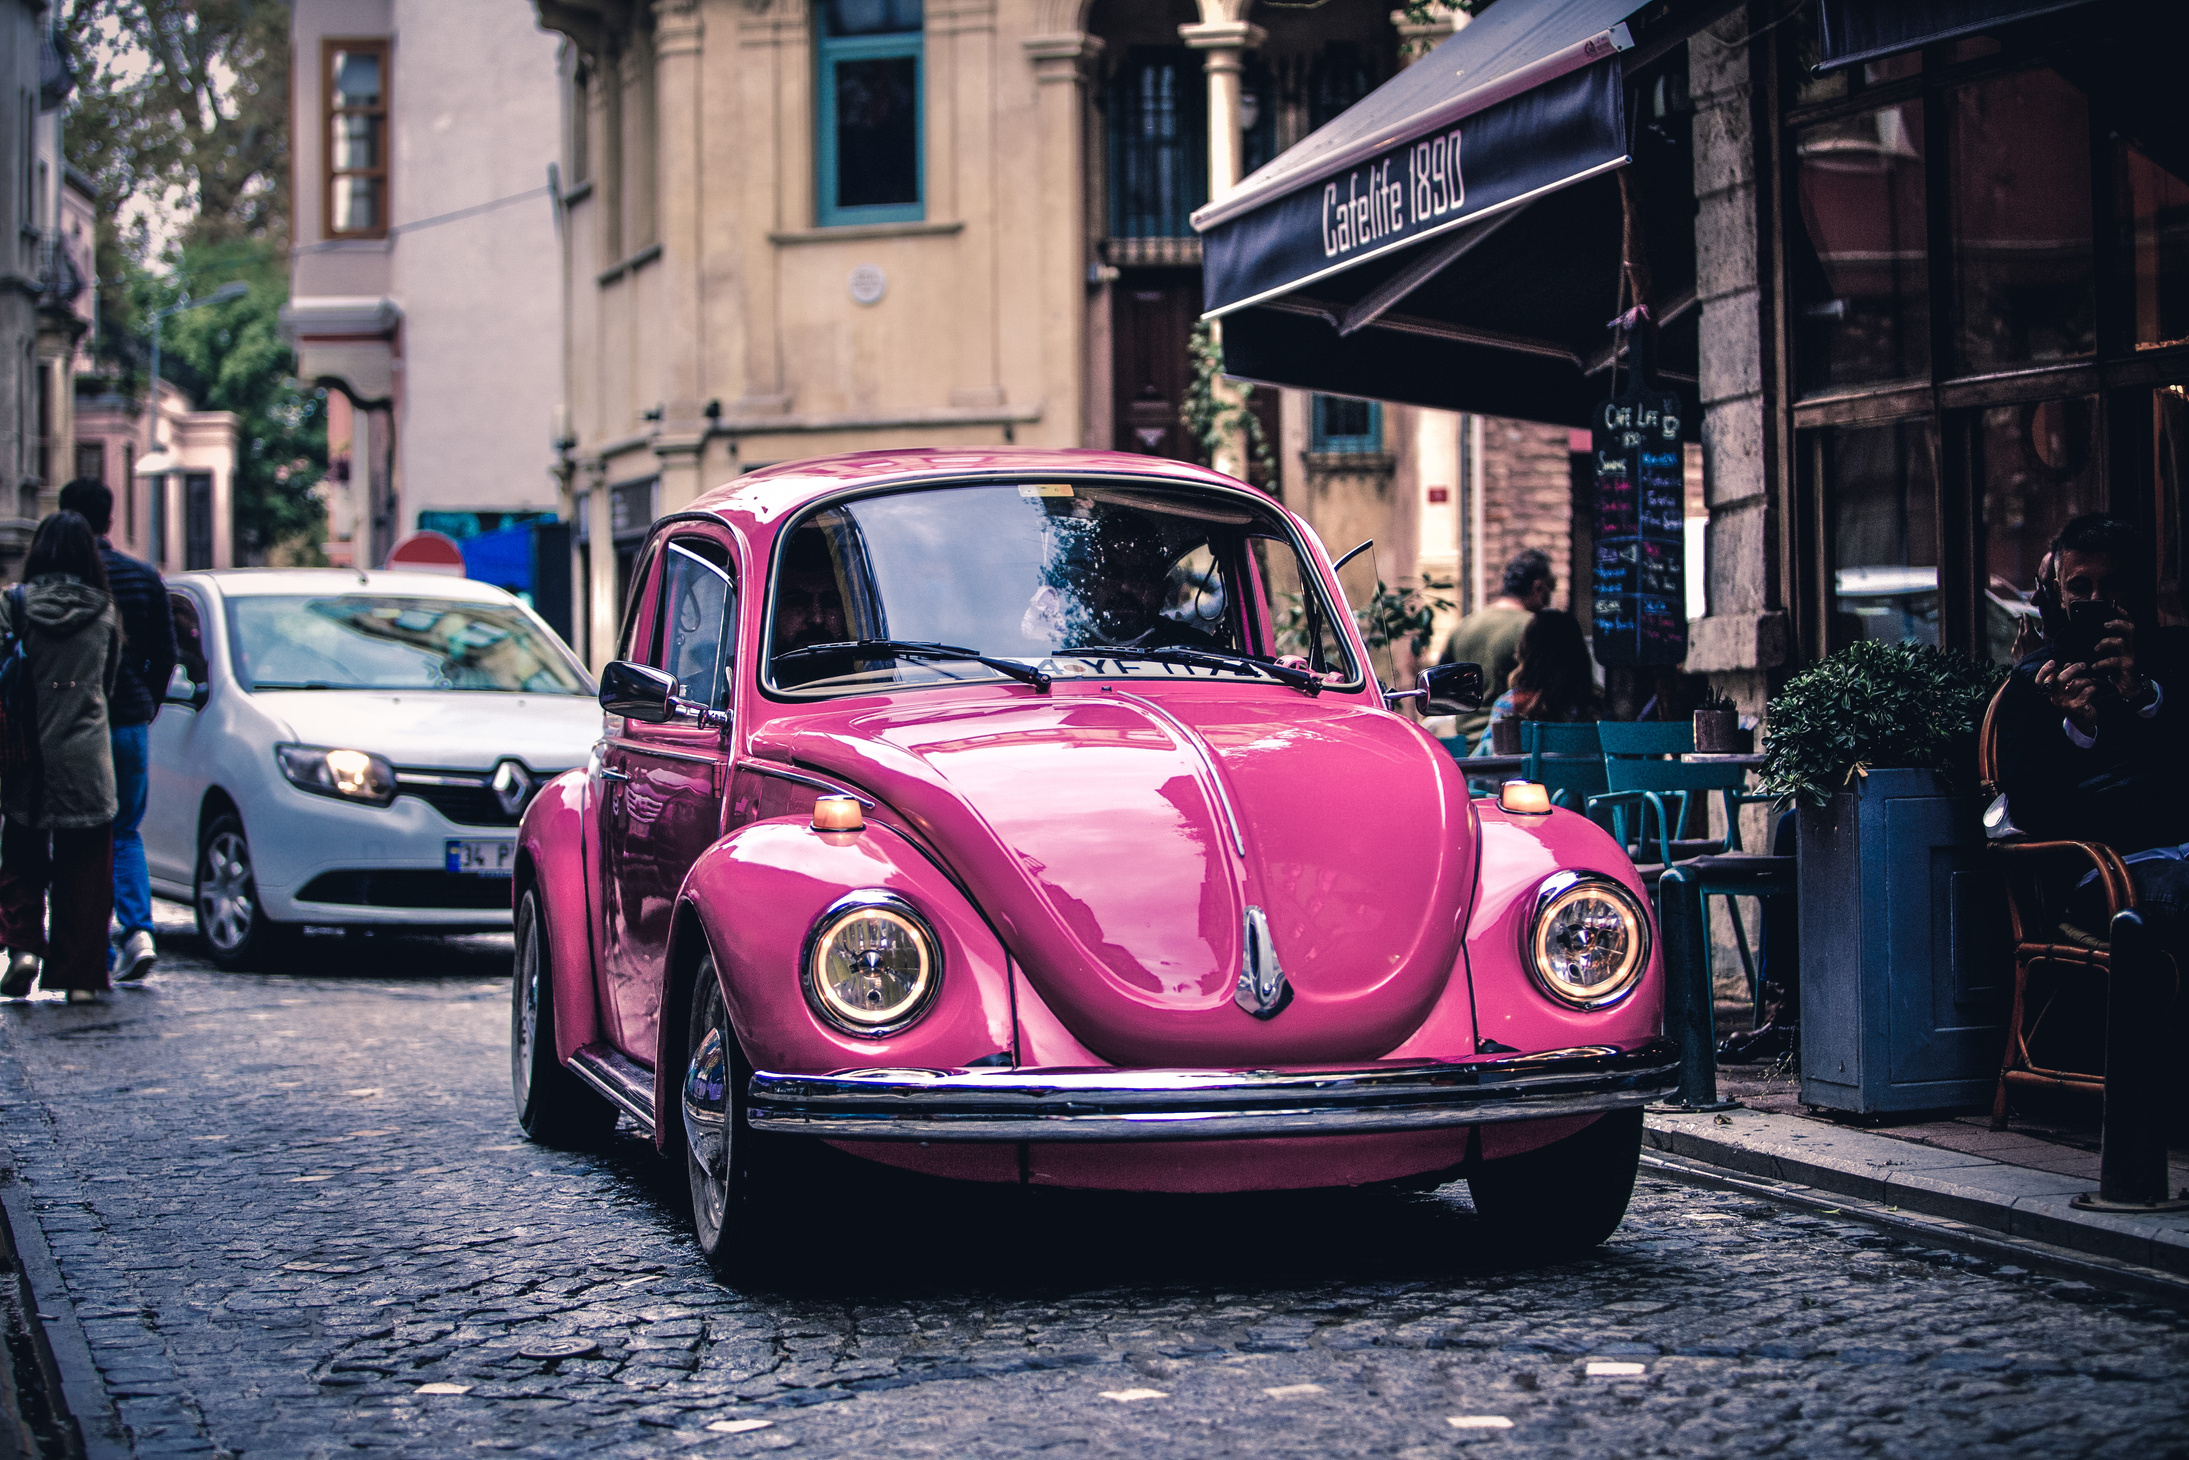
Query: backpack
(19, 750)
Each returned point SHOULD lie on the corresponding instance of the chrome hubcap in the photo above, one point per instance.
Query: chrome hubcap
(706, 1114)
(528, 1006)
(226, 899)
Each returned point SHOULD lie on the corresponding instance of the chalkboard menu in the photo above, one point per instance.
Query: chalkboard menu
(1640, 614)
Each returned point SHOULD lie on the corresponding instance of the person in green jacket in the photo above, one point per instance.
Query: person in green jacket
(58, 833)
(1490, 636)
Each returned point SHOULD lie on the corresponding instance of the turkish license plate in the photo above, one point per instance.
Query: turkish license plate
(495, 858)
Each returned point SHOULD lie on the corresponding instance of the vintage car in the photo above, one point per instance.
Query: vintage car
(1037, 817)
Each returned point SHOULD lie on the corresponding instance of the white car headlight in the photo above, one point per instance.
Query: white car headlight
(872, 965)
(1588, 942)
(348, 775)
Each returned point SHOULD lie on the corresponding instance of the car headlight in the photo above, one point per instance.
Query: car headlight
(872, 965)
(350, 775)
(1588, 941)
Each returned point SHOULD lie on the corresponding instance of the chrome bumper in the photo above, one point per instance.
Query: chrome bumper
(1190, 1105)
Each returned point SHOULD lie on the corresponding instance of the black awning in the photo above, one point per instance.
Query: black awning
(1524, 101)
(1502, 304)
(1863, 30)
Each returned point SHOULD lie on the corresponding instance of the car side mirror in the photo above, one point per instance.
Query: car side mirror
(1454, 686)
(183, 690)
(637, 692)
(642, 692)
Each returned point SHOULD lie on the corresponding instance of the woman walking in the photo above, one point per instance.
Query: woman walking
(58, 833)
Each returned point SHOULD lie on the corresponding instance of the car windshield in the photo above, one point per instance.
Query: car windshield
(1140, 580)
(367, 641)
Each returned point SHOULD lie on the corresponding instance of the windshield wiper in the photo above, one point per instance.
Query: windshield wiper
(1301, 679)
(909, 649)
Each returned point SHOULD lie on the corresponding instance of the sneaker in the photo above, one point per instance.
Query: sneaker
(137, 956)
(85, 996)
(22, 973)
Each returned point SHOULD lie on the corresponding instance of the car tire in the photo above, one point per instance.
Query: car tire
(1566, 1197)
(554, 1106)
(224, 891)
(735, 1173)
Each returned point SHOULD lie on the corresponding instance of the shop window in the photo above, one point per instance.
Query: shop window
(1884, 529)
(2036, 466)
(2170, 472)
(1858, 265)
(1158, 135)
(2019, 222)
(871, 98)
(1345, 426)
(356, 130)
(2154, 203)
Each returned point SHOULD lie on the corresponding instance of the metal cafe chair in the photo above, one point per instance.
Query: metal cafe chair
(1567, 759)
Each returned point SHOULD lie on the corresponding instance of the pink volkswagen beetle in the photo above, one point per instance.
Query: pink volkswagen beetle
(1037, 817)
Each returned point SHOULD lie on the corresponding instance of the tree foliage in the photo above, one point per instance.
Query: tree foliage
(181, 114)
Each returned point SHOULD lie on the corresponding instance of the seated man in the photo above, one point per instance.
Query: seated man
(1123, 593)
(809, 609)
(2093, 751)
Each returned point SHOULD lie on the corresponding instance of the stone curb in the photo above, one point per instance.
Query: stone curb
(1974, 1190)
(83, 1395)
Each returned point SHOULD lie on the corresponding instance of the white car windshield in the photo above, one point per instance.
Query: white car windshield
(367, 641)
(1142, 580)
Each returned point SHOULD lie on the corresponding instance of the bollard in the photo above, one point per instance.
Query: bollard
(1690, 1005)
(2132, 1174)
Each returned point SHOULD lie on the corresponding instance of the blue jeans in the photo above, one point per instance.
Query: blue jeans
(132, 879)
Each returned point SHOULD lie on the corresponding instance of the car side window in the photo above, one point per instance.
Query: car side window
(189, 635)
(698, 603)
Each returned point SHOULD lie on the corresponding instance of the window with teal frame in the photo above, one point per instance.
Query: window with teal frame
(871, 101)
(1347, 427)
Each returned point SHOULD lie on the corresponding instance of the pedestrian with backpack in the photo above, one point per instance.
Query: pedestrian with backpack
(57, 789)
(148, 660)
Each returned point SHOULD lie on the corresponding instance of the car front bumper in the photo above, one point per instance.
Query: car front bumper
(1179, 1105)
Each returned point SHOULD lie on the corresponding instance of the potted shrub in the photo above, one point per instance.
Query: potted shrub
(1718, 727)
(1903, 960)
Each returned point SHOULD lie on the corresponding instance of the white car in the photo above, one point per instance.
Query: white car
(357, 752)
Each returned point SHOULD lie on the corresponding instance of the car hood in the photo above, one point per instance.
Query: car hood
(1117, 841)
(448, 729)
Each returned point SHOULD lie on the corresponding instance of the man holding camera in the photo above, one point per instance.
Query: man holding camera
(2091, 731)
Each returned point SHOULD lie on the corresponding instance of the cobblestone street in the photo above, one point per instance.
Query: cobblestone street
(296, 1219)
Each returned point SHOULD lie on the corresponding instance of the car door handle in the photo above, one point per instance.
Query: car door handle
(608, 774)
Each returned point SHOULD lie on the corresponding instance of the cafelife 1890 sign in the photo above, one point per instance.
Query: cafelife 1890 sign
(1640, 613)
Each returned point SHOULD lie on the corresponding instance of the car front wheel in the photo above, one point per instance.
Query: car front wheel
(1566, 1197)
(735, 1172)
(237, 932)
(554, 1107)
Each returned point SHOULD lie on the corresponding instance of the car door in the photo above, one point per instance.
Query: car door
(181, 754)
(664, 783)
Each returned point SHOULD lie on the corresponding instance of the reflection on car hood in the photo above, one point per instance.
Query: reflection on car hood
(1116, 841)
(452, 729)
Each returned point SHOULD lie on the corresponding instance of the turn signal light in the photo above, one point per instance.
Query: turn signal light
(1529, 798)
(838, 813)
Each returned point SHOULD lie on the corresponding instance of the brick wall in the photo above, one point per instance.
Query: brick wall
(1527, 502)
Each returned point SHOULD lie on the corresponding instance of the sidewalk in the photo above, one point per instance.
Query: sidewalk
(2018, 1181)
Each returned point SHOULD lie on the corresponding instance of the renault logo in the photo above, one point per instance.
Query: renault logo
(512, 787)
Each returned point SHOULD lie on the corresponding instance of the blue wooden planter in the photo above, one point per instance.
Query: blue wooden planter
(1905, 969)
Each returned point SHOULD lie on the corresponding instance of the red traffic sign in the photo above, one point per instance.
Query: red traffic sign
(428, 552)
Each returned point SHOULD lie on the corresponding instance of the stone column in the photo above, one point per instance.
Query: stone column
(1222, 37)
(600, 600)
(1063, 64)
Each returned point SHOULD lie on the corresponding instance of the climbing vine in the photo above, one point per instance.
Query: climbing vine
(1215, 421)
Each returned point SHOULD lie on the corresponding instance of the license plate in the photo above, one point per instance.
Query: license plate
(497, 858)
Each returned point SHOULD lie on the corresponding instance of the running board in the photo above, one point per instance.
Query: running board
(628, 1085)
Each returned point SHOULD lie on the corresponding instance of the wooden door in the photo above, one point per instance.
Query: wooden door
(1151, 324)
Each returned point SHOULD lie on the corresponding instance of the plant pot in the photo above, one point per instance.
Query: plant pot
(1905, 963)
(1718, 732)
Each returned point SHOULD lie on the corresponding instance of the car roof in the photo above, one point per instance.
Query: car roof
(244, 582)
(773, 491)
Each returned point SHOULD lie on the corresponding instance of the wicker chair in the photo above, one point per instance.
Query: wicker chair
(2054, 961)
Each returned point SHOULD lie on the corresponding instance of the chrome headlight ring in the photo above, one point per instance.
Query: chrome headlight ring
(871, 966)
(1621, 930)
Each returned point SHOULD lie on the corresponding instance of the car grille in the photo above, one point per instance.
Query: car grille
(407, 887)
(466, 805)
